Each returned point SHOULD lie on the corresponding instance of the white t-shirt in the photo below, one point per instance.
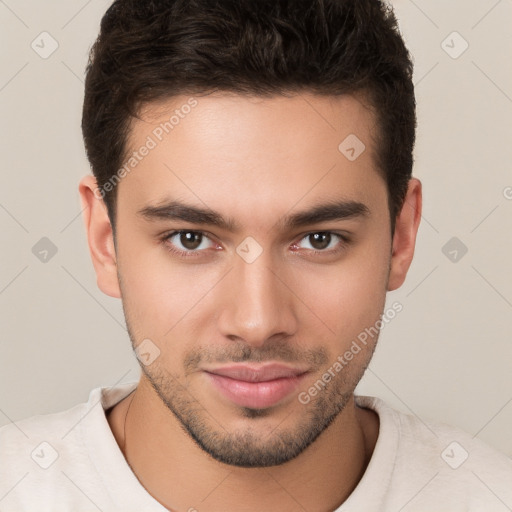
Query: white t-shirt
(70, 461)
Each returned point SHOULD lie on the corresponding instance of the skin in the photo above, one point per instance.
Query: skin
(255, 160)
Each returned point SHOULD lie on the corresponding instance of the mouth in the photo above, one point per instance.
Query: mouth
(256, 387)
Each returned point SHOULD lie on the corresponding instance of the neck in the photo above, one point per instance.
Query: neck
(178, 474)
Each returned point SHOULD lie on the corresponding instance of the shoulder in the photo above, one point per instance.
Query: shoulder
(46, 455)
(63, 428)
(439, 462)
(18, 440)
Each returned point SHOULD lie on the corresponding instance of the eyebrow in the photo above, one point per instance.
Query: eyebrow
(176, 210)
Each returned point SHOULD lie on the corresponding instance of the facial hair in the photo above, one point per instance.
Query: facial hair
(249, 447)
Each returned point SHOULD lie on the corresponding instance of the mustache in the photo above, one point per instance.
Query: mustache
(240, 352)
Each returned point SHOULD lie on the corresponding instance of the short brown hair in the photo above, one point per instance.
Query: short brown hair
(150, 50)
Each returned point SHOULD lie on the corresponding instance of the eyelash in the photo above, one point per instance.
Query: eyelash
(344, 241)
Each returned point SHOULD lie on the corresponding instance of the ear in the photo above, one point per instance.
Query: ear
(99, 236)
(404, 238)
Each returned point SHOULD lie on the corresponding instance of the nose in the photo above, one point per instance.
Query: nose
(257, 304)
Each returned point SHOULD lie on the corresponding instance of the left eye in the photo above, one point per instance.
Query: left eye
(322, 240)
(189, 240)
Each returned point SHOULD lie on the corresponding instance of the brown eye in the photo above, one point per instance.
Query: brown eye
(187, 242)
(320, 241)
(190, 239)
(325, 242)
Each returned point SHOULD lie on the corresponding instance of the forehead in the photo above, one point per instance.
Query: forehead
(244, 121)
(251, 151)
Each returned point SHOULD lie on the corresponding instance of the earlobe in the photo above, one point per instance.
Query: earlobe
(404, 238)
(99, 237)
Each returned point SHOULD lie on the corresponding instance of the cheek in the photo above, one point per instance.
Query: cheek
(146, 291)
(159, 294)
(350, 295)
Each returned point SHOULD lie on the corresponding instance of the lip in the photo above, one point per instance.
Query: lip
(257, 387)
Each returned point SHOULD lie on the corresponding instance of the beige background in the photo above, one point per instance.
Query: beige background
(446, 356)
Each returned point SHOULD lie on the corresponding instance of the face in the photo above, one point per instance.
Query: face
(251, 251)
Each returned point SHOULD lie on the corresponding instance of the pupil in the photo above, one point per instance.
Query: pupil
(190, 240)
(320, 240)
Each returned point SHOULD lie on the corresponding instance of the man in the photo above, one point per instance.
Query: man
(252, 203)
